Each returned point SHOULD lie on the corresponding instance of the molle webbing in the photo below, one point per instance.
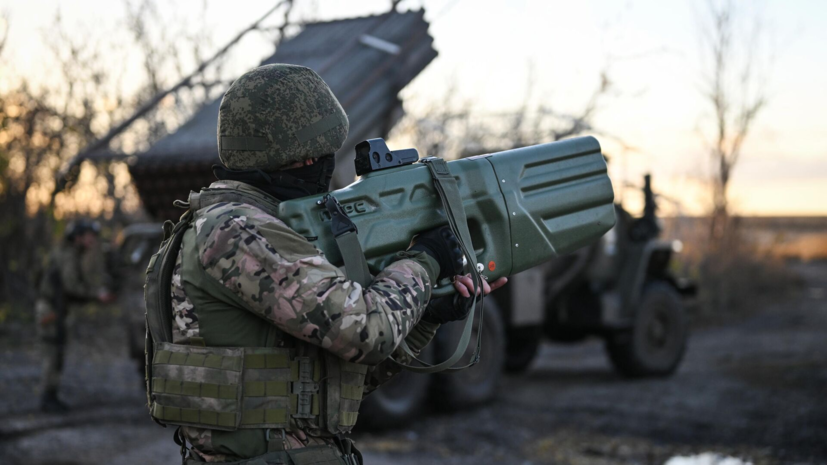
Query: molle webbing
(343, 396)
(245, 382)
(231, 388)
(352, 386)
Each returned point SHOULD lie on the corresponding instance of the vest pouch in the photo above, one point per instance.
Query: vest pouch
(197, 386)
(227, 388)
(345, 384)
(275, 384)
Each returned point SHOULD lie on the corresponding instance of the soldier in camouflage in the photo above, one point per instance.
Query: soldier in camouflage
(68, 280)
(241, 270)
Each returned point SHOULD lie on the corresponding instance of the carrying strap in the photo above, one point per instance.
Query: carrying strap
(448, 192)
(356, 267)
(159, 282)
(157, 293)
(346, 235)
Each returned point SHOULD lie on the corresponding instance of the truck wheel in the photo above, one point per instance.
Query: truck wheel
(399, 400)
(656, 343)
(479, 383)
(522, 347)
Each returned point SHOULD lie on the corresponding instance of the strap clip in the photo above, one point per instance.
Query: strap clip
(439, 164)
(340, 222)
(304, 388)
(275, 443)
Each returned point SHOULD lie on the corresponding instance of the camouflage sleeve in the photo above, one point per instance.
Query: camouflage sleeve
(72, 276)
(285, 279)
(417, 340)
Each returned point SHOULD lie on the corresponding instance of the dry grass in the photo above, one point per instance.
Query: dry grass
(804, 247)
(748, 266)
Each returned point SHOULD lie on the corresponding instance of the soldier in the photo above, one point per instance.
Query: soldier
(65, 282)
(314, 343)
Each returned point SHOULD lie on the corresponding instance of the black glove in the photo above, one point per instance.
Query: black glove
(446, 309)
(443, 246)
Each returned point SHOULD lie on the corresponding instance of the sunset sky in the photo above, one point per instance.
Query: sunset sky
(652, 47)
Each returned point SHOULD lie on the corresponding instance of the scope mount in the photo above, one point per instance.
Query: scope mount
(374, 155)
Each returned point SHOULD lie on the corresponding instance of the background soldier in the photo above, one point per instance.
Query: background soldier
(69, 279)
(242, 278)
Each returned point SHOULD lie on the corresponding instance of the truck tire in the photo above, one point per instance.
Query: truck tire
(657, 341)
(477, 384)
(399, 400)
(522, 347)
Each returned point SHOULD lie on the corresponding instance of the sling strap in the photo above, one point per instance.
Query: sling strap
(157, 291)
(346, 235)
(356, 267)
(448, 192)
(159, 282)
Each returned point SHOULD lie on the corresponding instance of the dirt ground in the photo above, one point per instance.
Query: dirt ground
(755, 389)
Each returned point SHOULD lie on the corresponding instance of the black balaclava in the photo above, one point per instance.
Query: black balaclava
(286, 184)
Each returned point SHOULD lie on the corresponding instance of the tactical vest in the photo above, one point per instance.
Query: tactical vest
(242, 372)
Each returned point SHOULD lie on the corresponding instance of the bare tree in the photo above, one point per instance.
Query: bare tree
(735, 88)
(452, 128)
(44, 126)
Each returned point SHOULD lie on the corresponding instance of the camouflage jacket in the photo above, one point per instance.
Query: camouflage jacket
(76, 280)
(286, 280)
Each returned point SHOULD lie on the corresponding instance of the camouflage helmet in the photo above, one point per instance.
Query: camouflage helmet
(276, 115)
(79, 227)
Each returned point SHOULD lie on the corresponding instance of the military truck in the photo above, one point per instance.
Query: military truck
(621, 289)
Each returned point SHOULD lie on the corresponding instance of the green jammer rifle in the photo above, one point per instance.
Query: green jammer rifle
(510, 210)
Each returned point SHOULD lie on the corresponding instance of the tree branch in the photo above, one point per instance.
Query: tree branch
(4, 30)
(69, 173)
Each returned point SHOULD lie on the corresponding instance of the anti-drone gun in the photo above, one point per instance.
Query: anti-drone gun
(511, 210)
(524, 206)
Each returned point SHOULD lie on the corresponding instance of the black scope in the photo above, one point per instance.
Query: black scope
(374, 154)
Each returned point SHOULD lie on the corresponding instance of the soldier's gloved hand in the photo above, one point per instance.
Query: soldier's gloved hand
(456, 307)
(443, 246)
(446, 309)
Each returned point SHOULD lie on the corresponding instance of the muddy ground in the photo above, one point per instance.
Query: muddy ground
(755, 388)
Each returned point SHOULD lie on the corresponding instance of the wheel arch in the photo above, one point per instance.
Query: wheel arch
(653, 265)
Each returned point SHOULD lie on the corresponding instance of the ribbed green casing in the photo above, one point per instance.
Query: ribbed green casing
(524, 206)
(559, 198)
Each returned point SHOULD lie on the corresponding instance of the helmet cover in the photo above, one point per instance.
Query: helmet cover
(277, 115)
